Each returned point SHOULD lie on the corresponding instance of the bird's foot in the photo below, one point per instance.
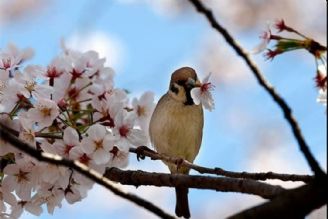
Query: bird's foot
(140, 151)
(179, 162)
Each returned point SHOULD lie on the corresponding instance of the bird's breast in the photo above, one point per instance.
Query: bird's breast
(176, 129)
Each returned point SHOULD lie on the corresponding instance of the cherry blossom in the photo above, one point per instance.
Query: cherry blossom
(108, 105)
(27, 132)
(70, 140)
(322, 97)
(28, 81)
(143, 107)
(12, 96)
(27, 205)
(78, 154)
(56, 68)
(127, 136)
(6, 197)
(19, 179)
(97, 143)
(12, 58)
(265, 40)
(280, 25)
(61, 86)
(70, 108)
(44, 112)
(321, 77)
(321, 84)
(50, 195)
(202, 94)
(119, 158)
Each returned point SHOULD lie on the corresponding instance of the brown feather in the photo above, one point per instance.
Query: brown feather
(182, 74)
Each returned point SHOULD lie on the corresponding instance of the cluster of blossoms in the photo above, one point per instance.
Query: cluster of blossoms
(284, 44)
(69, 108)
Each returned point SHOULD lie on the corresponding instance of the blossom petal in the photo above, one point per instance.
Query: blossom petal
(87, 145)
(100, 156)
(97, 132)
(71, 136)
(195, 95)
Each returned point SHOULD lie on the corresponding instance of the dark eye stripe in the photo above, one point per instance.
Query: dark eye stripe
(174, 89)
(181, 82)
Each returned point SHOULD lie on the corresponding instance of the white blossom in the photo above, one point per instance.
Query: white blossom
(97, 143)
(143, 107)
(44, 112)
(70, 140)
(322, 97)
(127, 136)
(19, 178)
(28, 80)
(70, 108)
(202, 94)
(6, 197)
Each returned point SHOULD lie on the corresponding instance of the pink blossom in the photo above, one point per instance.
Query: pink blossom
(280, 25)
(266, 37)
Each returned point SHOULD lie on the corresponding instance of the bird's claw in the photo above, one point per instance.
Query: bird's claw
(140, 151)
(179, 162)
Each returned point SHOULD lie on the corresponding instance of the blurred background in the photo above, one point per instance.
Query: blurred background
(146, 40)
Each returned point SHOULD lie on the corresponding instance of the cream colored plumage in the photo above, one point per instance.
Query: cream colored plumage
(176, 127)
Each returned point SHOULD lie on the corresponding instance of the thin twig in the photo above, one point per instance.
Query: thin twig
(144, 151)
(6, 135)
(201, 8)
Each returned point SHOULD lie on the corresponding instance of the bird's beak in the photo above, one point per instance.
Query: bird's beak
(197, 84)
(192, 83)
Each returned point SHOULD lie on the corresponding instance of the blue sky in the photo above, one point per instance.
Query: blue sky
(151, 47)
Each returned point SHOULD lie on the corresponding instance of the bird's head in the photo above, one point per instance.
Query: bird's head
(182, 81)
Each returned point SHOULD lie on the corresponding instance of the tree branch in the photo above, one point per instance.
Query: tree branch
(138, 178)
(223, 184)
(6, 135)
(290, 203)
(144, 151)
(201, 8)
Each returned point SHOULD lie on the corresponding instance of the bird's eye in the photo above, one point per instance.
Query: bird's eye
(181, 82)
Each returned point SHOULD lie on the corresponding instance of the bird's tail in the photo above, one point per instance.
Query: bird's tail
(182, 206)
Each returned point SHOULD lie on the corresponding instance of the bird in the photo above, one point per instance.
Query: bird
(176, 128)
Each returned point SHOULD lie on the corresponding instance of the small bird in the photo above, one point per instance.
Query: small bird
(176, 128)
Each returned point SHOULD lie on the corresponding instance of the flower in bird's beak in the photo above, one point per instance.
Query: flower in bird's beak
(201, 93)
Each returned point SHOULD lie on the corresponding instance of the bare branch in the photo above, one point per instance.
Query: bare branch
(223, 184)
(290, 204)
(201, 8)
(6, 135)
(143, 151)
